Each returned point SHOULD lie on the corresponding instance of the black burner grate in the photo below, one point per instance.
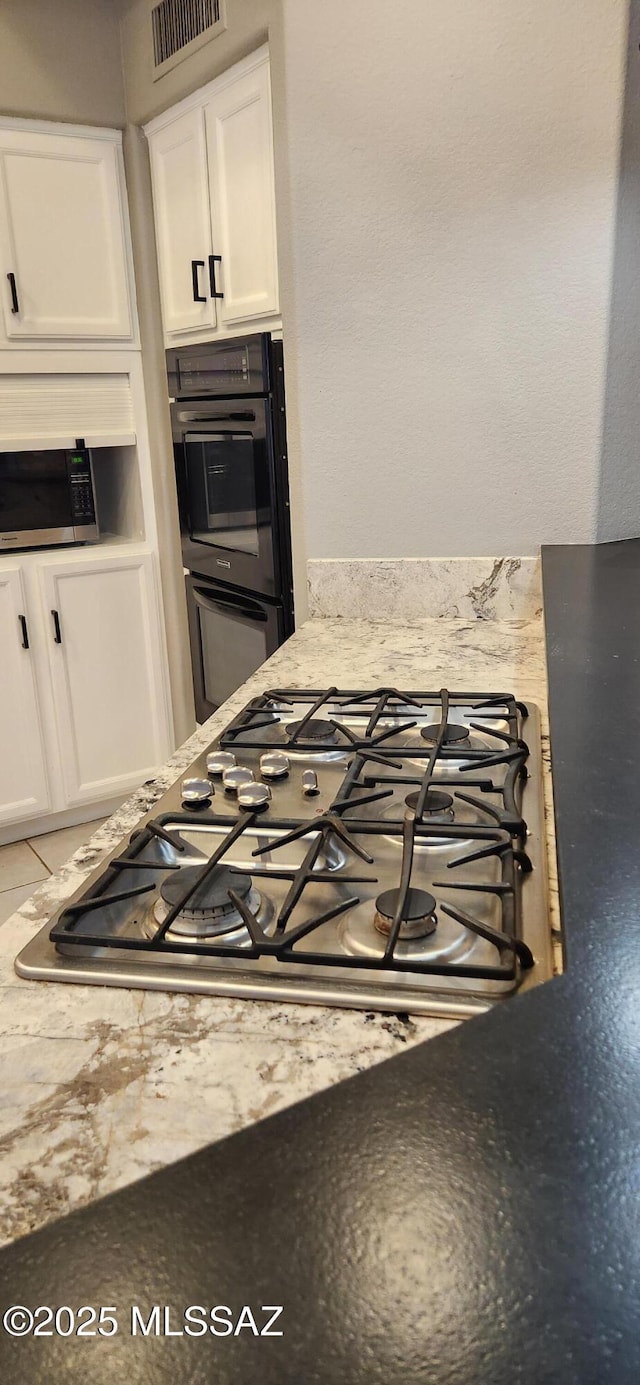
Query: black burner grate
(513, 956)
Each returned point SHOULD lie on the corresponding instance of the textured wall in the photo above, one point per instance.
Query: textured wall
(60, 60)
(452, 170)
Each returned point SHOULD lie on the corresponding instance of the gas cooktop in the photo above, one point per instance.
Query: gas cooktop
(380, 850)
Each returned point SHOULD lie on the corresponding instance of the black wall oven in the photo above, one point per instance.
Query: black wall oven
(229, 437)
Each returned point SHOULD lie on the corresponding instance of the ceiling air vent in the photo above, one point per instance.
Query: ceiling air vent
(181, 26)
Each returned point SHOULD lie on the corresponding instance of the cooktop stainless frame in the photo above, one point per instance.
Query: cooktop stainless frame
(40, 960)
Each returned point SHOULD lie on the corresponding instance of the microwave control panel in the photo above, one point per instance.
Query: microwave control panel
(80, 487)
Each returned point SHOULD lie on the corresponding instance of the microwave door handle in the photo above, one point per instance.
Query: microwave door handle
(224, 603)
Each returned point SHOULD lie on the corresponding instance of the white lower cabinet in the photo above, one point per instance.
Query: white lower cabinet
(24, 790)
(96, 636)
(106, 674)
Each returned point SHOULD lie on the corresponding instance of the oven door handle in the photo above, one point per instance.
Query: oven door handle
(229, 603)
(237, 416)
(215, 437)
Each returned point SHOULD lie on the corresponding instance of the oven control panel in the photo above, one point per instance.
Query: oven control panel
(216, 370)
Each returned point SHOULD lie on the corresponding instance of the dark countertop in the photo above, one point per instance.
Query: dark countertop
(466, 1212)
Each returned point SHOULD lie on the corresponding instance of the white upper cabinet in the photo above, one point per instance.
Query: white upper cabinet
(214, 201)
(183, 223)
(63, 238)
(24, 790)
(243, 212)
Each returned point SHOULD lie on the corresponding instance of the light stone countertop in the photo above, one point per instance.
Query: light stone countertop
(100, 1086)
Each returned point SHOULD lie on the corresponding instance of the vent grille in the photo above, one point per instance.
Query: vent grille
(177, 23)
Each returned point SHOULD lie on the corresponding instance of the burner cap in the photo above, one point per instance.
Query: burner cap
(419, 914)
(213, 894)
(437, 802)
(418, 904)
(452, 733)
(318, 729)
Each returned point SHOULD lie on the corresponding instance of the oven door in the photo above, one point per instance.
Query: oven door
(231, 633)
(226, 487)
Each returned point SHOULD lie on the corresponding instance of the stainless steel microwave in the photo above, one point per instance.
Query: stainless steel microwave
(46, 498)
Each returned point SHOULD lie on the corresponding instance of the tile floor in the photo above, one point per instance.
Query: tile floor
(23, 865)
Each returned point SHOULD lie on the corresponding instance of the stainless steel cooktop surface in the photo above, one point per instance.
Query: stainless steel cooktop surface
(379, 850)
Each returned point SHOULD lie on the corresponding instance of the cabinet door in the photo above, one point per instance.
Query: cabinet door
(108, 684)
(62, 231)
(183, 229)
(23, 777)
(240, 153)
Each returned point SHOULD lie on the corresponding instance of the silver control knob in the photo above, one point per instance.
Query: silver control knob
(254, 796)
(234, 777)
(220, 760)
(274, 764)
(196, 791)
(309, 782)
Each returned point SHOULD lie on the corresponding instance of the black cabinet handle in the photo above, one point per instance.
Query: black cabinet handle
(56, 626)
(195, 266)
(213, 261)
(25, 632)
(15, 306)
